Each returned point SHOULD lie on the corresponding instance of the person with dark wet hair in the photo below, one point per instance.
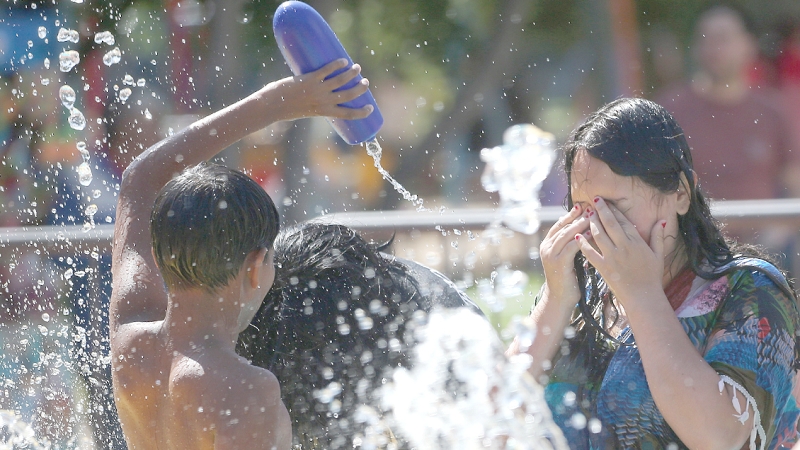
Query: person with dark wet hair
(652, 328)
(337, 320)
(192, 261)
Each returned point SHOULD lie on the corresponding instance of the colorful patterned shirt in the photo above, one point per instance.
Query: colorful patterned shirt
(743, 323)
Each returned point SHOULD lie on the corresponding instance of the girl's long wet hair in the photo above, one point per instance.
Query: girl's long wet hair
(639, 138)
(311, 330)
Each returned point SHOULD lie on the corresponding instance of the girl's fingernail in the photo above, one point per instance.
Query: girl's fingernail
(577, 237)
(575, 208)
(596, 199)
(591, 213)
(663, 224)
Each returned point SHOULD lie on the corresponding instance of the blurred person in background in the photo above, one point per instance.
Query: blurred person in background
(737, 132)
(788, 74)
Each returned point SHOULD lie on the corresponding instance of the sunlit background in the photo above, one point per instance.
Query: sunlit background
(450, 76)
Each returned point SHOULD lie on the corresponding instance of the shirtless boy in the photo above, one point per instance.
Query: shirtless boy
(183, 292)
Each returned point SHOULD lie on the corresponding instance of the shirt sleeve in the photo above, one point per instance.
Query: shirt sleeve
(752, 344)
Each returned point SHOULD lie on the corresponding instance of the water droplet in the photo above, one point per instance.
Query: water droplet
(96, 193)
(67, 35)
(85, 174)
(128, 80)
(124, 94)
(67, 96)
(365, 323)
(112, 57)
(147, 114)
(42, 32)
(46, 317)
(83, 150)
(68, 59)
(344, 329)
(68, 274)
(76, 120)
(77, 1)
(45, 81)
(47, 63)
(104, 37)
(90, 210)
(140, 82)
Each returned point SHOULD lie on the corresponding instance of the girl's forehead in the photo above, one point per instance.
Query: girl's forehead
(592, 177)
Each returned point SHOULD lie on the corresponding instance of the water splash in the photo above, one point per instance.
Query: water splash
(46, 63)
(124, 94)
(16, 434)
(516, 171)
(104, 37)
(84, 174)
(67, 35)
(83, 151)
(42, 31)
(375, 151)
(76, 120)
(140, 82)
(68, 59)
(67, 96)
(464, 393)
(128, 80)
(112, 57)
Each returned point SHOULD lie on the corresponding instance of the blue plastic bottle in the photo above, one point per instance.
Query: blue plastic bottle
(308, 43)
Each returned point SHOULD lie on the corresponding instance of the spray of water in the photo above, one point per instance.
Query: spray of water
(463, 393)
(375, 151)
(16, 434)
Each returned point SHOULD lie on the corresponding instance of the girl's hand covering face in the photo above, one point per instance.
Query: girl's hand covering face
(558, 250)
(631, 267)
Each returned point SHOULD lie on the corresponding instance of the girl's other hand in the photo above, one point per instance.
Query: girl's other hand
(558, 250)
(631, 267)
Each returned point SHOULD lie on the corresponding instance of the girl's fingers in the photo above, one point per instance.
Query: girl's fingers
(602, 240)
(562, 221)
(610, 222)
(592, 255)
(566, 236)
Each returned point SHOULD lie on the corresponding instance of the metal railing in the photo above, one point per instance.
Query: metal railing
(58, 239)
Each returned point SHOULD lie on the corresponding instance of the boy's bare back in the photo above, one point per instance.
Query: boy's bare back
(194, 398)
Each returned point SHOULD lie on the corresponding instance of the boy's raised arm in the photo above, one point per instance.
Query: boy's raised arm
(138, 291)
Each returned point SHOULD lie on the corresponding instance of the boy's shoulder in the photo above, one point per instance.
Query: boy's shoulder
(226, 378)
(233, 396)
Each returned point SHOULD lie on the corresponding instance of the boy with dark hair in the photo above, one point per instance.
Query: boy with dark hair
(186, 282)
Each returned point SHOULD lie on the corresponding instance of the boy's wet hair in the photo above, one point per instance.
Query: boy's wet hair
(205, 222)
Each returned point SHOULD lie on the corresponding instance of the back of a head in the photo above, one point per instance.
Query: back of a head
(333, 324)
(205, 222)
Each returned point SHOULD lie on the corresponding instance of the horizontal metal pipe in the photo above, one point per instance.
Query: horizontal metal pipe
(65, 239)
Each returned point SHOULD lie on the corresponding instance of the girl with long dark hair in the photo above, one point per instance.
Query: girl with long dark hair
(652, 329)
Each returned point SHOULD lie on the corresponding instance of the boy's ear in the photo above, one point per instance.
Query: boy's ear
(254, 264)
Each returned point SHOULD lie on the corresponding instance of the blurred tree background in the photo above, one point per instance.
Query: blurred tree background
(449, 76)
